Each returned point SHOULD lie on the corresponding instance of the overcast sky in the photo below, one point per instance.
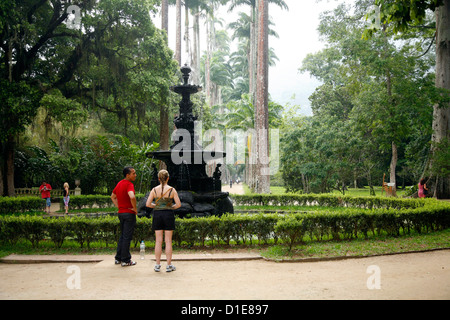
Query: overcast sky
(298, 36)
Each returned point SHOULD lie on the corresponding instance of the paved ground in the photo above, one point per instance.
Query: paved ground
(219, 276)
(235, 189)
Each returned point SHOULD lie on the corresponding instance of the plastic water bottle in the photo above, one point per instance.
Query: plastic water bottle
(142, 250)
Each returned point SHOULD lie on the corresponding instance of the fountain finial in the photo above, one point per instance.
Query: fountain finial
(186, 70)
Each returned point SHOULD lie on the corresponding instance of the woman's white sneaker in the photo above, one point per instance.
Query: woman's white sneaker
(170, 268)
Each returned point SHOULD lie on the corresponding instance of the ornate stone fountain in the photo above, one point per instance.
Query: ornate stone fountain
(200, 194)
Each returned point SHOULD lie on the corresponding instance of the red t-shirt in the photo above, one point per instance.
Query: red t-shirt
(45, 193)
(123, 199)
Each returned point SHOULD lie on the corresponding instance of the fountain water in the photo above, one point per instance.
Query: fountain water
(200, 194)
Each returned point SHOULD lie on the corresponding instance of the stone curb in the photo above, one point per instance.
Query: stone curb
(339, 258)
(31, 259)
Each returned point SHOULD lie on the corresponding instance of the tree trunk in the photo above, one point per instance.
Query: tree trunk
(165, 15)
(186, 33)
(252, 63)
(10, 147)
(163, 112)
(262, 101)
(2, 170)
(441, 114)
(392, 168)
(209, 49)
(196, 48)
(178, 40)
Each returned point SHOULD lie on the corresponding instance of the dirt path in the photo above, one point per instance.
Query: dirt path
(235, 189)
(407, 276)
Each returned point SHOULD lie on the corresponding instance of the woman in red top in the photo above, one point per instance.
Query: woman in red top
(423, 190)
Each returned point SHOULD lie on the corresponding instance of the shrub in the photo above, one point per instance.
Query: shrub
(328, 200)
(290, 230)
(89, 201)
(58, 230)
(20, 204)
(423, 216)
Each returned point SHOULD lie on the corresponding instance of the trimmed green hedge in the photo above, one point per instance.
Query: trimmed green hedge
(237, 228)
(78, 202)
(327, 200)
(24, 204)
(20, 204)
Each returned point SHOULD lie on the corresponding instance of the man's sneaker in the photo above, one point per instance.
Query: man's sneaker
(170, 268)
(117, 262)
(130, 263)
(157, 268)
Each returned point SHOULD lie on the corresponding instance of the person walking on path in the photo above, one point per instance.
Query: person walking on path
(124, 198)
(45, 190)
(163, 217)
(66, 197)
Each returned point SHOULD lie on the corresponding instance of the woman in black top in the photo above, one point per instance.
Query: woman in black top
(66, 197)
(165, 201)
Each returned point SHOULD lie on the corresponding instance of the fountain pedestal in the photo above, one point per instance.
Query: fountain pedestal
(200, 194)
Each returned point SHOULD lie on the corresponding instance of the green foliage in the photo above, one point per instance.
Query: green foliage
(58, 83)
(290, 230)
(441, 156)
(391, 218)
(401, 14)
(328, 200)
(18, 102)
(20, 205)
(87, 160)
(376, 93)
(78, 202)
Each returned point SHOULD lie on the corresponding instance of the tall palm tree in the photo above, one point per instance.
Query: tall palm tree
(252, 4)
(163, 109)
(240, 115)
(242, 31)
(178, 33)
(262, 101)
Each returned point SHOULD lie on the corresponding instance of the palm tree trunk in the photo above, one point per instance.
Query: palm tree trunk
(196, 47)
(178, 40)
(252, 69)
(186, 32)
(262, 100)
(163, 110)
(165, 15)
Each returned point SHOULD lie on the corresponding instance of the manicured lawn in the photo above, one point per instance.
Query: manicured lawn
(360, 192)
(361, 247)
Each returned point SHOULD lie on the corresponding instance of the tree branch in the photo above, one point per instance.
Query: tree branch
(431, 44)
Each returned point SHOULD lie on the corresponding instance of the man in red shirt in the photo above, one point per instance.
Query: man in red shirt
(124, 199)
(45, 189)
